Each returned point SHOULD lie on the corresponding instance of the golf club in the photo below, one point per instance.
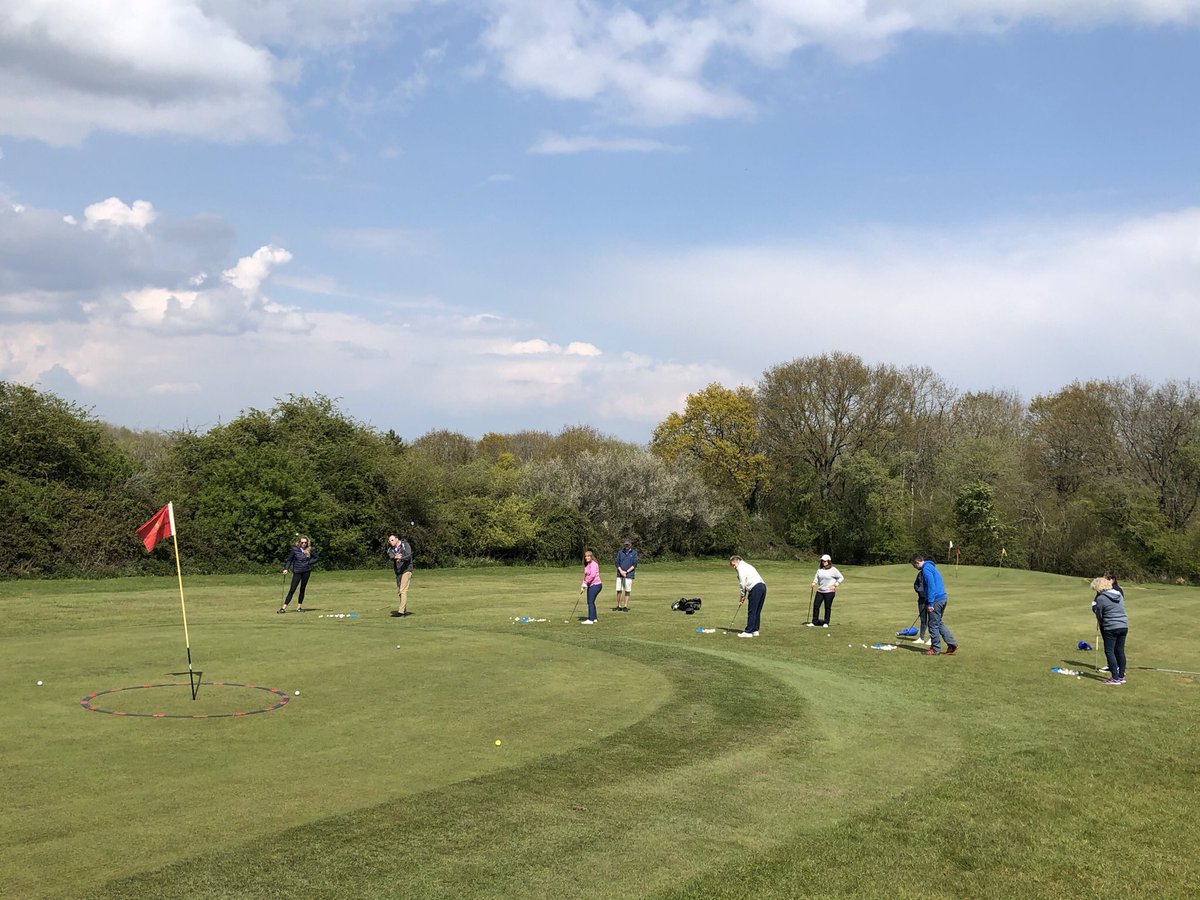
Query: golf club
(811, 589)
(741, 600)
(286, 584)
(576, 606)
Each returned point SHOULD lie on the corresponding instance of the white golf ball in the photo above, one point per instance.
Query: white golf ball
(39, 684)
(297, 693)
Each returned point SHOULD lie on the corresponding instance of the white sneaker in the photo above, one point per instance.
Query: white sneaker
(1102, 669)
(756, 634)
(826, 625)
(811, 624)
(747, 634)
(587, 622)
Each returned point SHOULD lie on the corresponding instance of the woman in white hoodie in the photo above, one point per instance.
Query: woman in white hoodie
(826, 582)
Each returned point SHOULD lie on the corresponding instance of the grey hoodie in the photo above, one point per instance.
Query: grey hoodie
(1109, 607)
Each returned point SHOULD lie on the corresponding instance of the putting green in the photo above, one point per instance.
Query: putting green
(372, 723)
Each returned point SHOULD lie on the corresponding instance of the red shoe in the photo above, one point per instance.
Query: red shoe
(931, 652)
(951, 648)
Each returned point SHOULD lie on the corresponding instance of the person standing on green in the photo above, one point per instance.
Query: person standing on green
(400, 553)
(627, 560)
(300, 560)
(826, 583)
(933, 594)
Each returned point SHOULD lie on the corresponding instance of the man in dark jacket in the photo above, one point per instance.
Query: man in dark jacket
(627, 560)
(400, 553)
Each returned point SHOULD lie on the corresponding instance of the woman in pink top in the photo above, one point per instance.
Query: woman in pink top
(591, 584)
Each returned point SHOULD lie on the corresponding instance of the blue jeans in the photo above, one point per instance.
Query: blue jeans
(754, 604)
(593, 592)
(937, 628)
(1114, 651)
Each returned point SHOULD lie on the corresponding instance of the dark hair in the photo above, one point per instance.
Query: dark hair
(920, 556)
(1113, 578)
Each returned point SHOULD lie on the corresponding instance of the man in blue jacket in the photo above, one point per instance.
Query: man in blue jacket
(627, 560)
(932, 591)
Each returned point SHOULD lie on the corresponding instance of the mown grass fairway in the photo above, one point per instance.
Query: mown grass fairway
(638, 758)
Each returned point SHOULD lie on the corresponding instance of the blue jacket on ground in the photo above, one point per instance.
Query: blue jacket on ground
(931, 588)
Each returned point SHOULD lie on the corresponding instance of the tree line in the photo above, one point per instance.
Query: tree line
(824, 454)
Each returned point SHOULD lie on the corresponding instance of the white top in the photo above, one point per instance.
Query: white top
(828, 579)
(748, 576)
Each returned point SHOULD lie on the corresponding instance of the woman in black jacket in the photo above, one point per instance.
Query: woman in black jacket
(300, 561)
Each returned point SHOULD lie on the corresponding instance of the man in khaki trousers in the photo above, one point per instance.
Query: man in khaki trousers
(400, 553)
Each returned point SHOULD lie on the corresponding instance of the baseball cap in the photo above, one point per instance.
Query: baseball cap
(826, 558)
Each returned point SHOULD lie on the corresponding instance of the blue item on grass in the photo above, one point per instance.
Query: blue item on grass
(906, 632)
(1084, 645)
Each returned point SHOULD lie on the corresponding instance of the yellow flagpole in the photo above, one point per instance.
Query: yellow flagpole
(179, 575)
(187, 641)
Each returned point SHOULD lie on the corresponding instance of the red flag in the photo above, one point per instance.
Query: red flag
(160, 526)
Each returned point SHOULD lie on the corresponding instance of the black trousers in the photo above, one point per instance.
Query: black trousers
(298, 579)
(825, 597)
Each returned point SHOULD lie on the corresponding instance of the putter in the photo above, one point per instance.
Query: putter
(811, 589)
(576, 606)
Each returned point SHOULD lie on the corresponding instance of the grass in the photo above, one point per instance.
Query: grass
(638, 758)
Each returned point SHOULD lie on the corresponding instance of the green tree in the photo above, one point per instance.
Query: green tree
(814, 414)
(717, 433)
(69, 501)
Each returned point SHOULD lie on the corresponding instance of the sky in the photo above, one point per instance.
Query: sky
(497, 215)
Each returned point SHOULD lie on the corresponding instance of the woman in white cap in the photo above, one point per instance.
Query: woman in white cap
(826, 582)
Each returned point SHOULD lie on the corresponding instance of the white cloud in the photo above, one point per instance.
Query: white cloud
(69, 67)
(525, 347)
(122, 268)
(251, 271)
(658, 65)
(1026, 305)
(115, 212)
(582, 348)
(176, 387)
(217, 69)
(556, 144)
(382, 240)
(303, 23)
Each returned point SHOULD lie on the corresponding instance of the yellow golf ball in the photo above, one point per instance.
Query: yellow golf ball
(497, 742)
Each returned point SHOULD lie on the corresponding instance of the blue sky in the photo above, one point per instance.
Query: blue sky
(491, 215)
